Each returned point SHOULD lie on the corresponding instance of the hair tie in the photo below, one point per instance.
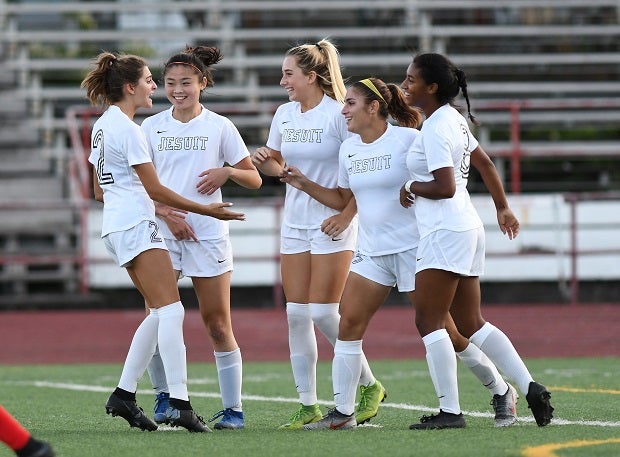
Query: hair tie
(185, 63)
(368, 83)
(318, 46)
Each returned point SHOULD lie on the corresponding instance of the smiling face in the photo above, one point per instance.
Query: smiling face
(183, 86)
(415, 88)
(356, 111)
(294, 81)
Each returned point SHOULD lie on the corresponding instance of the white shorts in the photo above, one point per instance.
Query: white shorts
(202, 258)
(459, 252)
(294, 241)
(126, 245)
(389, 270)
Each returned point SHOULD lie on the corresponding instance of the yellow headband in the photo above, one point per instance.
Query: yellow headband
(368, 83)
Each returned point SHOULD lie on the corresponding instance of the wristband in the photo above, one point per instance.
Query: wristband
(408, 186)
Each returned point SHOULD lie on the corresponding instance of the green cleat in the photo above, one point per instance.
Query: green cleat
(370, 398)
(304, 415)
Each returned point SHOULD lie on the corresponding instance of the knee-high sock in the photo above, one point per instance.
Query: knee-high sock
(140, 351)
(325, 316)
(346, 370)
(229, 374)
(480, 365)
(303, 350)
(442, 366)
(172, 348)
(157, 374)
(497, 346)
(12, 433)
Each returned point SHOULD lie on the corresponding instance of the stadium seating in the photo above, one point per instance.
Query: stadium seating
(550, 67)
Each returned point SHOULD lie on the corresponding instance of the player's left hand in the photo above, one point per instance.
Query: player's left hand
(508, 222)
(406, 198)
(212, 179)
(335, 225)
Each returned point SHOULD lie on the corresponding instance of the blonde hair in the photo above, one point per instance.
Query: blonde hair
(322, 58)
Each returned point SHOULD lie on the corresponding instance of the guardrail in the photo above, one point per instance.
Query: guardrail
(553, 230)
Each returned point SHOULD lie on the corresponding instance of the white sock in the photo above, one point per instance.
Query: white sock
(480, 365)
(140, 352)
(346, 373)
(496, 345)
(172, 348)
(442, 366)
(157, 374)
(303, 350)
(229, 373)
(326, 317)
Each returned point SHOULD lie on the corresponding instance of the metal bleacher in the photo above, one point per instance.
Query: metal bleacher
(550, 66)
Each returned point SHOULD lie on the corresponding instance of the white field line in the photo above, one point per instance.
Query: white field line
(402, 406)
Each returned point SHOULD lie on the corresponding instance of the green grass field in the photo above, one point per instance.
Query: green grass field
(64, 404)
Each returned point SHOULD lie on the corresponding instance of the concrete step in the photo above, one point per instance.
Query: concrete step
(31, 189)
(24, 161)
(19, 134)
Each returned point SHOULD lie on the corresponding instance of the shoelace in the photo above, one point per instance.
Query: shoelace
(297, 415)
(363, 397)
(218, 415)
(428, 418)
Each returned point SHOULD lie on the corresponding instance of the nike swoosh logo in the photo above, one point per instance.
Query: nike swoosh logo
(333, 426)
(352, 155)
(286, 122)
(221, 261)
(162, 131)
(419, 259)
(336, 239)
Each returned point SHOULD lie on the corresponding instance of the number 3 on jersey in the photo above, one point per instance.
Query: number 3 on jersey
(466, 160)
(104, 178)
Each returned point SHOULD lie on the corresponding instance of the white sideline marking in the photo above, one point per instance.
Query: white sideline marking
(403, 406)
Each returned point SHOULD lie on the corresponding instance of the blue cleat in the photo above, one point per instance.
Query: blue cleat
(162, 401)
(231, 419)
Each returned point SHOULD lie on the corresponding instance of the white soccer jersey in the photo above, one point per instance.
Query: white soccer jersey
(117, 143)
(183, 150)
(375, 172)
(446, 141)
(309, 141)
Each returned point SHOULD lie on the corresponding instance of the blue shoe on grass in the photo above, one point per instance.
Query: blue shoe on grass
(162, 401)
(231, 419)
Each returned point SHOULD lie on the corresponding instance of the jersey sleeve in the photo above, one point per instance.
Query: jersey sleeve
(438, 150)
(136, 145)
(233, 148)
(343, 168)
(274, 141)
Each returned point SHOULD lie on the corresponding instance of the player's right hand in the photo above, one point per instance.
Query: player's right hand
(220, 211)
(261, 155)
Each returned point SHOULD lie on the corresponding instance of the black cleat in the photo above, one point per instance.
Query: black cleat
(129, 411)
(538, 401)
(186, 418)
(439, 421)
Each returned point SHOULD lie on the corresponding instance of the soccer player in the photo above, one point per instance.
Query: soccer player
(371, 167)
(125, 180)
(16, 437)
(190, 146)
(451, 252)
(307, 132)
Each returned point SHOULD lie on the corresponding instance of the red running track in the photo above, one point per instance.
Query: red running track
(103, 336)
